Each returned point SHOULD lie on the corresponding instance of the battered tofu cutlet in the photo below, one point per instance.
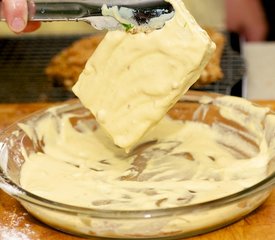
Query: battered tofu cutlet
(132, 80)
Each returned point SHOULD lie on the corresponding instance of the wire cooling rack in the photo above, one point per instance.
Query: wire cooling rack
(233, 68)
(23, 61)
(22, 64)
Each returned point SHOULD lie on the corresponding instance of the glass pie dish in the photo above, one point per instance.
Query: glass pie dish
(235, 119)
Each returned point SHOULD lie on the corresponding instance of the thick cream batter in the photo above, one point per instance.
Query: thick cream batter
(177, 162)
(132, 80)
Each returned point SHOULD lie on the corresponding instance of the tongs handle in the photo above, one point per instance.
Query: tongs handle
(62, 10)
(88, 11)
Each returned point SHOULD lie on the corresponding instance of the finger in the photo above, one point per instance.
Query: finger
(16, 14)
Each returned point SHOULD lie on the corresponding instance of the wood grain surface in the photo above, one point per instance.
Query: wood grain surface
(17, 224)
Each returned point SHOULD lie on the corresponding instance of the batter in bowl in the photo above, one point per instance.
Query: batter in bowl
(177, 163)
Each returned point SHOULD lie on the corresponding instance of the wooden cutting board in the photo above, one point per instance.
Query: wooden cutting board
(17, 224)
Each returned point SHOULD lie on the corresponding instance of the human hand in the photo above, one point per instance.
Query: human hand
(247, 18)
(16, 15)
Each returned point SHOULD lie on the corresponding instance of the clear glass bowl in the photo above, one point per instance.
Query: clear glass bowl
(158, 223)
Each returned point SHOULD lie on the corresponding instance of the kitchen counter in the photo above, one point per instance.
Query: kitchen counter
(17, 224)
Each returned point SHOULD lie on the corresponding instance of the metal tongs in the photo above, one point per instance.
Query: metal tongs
(108, 14)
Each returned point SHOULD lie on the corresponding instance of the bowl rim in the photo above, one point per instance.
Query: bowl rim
(22, 195)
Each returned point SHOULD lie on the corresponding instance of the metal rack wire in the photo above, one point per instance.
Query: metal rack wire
(233, 69)
(22, 64)
(24, 59)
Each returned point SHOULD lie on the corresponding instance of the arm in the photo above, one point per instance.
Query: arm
(16, 14)
(247, 18)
